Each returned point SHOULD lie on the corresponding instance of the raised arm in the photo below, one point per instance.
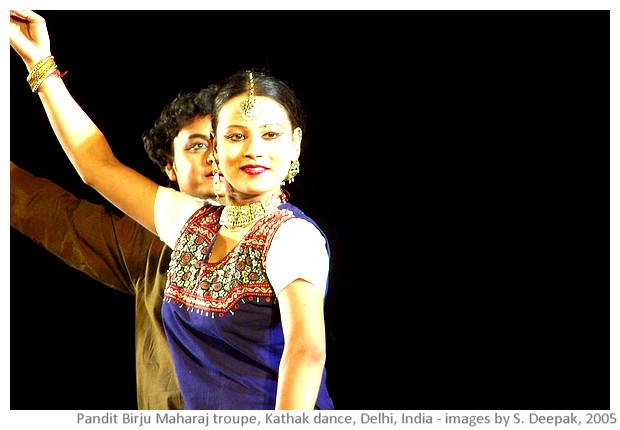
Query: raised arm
(81, 139)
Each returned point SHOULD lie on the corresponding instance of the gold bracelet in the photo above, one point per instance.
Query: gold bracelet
(38, 65)
(40, 72)
(41, 76)
(44, 77)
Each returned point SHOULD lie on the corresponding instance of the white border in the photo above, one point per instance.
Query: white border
(21, 419)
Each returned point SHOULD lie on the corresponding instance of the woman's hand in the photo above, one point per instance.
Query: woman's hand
(29, 36)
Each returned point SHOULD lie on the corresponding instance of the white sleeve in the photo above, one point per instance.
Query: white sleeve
(298, 251)
(172, 210)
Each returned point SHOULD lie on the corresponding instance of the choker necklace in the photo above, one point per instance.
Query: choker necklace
(236, 217)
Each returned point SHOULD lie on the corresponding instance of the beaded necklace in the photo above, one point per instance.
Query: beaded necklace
(236, 217)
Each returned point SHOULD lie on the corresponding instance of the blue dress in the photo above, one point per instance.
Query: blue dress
(222, 319)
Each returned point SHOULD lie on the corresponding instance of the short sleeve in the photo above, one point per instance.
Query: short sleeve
(172, 210)
(298, 251)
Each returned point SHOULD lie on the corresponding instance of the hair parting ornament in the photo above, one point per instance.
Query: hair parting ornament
(250, 107)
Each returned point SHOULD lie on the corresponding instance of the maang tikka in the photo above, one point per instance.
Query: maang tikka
(250, 107)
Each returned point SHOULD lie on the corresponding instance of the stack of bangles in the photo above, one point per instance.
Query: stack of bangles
(41, 71)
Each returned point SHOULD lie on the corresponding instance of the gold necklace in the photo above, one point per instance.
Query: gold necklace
(235, 217)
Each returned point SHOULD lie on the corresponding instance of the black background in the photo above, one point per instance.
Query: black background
(457, 160)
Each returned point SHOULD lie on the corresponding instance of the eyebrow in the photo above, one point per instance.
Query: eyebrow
(260, 126)
(197, 135)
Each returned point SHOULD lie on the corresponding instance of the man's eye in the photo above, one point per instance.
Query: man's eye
(199, 145)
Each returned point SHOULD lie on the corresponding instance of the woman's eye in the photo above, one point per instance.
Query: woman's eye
(271, 135)
(235, 137)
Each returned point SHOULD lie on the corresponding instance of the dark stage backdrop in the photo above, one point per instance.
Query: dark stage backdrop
(457, 160)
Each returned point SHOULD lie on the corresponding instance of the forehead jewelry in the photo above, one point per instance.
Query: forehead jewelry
(250, 107)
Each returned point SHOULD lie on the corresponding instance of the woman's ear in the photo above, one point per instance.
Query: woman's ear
(297, 135)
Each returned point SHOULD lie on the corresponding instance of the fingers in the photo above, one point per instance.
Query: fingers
(24, 15)
(28, 36)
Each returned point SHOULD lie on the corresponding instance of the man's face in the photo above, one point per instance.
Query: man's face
(192, 166)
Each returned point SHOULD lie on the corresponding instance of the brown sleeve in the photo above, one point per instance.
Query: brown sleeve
(111, 249)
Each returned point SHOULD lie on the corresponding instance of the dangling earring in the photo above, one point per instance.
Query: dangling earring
(217, 185)
(292, 172)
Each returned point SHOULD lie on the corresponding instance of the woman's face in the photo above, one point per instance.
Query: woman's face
(255, 154)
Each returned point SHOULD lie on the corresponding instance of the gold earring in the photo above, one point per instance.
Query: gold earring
(292, 172)
(217, 184)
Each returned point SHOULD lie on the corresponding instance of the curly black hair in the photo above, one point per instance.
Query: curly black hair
(175, 115)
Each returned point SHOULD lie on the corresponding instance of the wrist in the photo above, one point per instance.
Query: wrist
(42, 70)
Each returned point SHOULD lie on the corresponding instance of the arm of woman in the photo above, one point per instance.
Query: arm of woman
(303, 360)
(81, 139)
(298, 266)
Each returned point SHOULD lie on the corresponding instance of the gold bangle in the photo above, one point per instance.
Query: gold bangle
(41, 71)
(44, 77)
(41, 74)
(38, 65)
